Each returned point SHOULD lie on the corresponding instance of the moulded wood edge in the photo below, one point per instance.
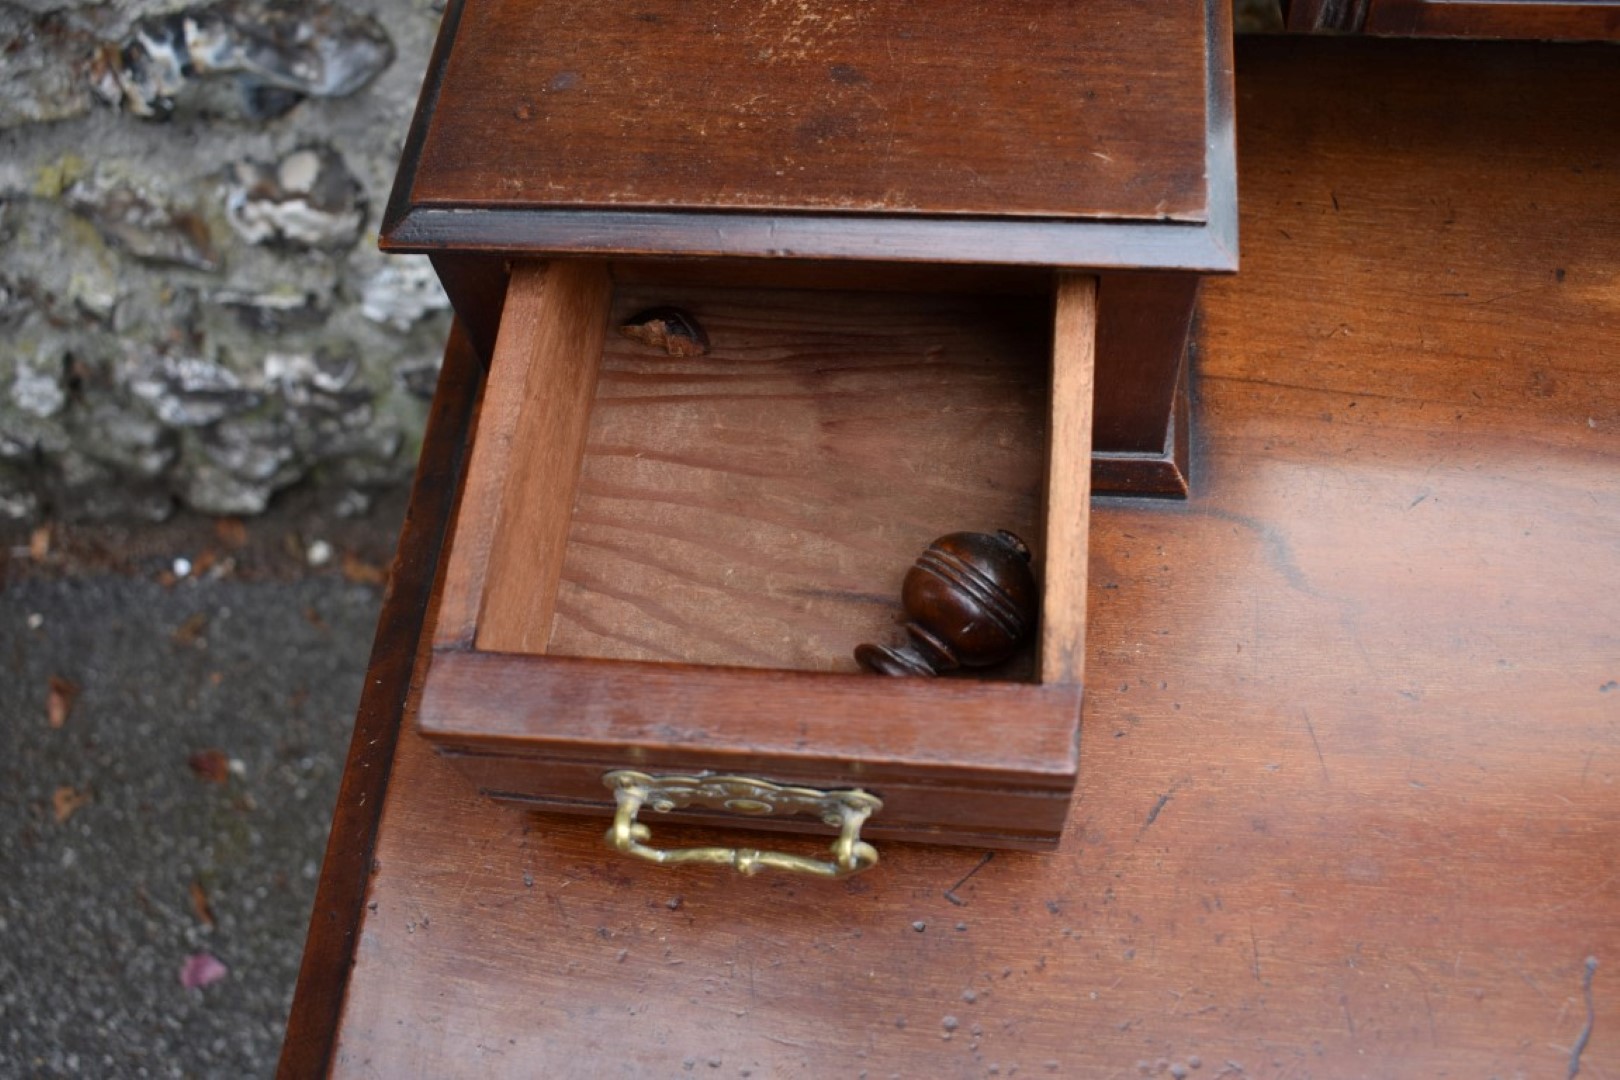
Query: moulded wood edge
(399, 196)
(1164, 475)
(1090, 244)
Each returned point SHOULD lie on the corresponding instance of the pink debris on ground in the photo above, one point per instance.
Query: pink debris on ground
(202, 969)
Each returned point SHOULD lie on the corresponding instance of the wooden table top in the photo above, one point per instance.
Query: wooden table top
(1350, 783)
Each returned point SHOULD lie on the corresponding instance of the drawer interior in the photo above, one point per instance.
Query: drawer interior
(758, 506)
(647, 545)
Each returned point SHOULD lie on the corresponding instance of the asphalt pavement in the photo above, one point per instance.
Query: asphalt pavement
(170, 749)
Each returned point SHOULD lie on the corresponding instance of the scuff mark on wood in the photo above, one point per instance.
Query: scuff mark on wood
(1158, 807)
(1153, 814)
(1310, 727)
(1585, 1036)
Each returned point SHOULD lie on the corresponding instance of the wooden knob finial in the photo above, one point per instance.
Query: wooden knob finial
(970, 601)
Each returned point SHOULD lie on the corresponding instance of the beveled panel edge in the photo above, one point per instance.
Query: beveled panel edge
(1220, 159)
(399, 196)
(1098, 245)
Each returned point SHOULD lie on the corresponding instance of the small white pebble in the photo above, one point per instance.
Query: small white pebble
(319, 553)
(299, 170)
(35, 620)
(182, 567)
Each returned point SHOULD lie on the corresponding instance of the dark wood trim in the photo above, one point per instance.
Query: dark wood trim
(476, 285)
(1143, 321)
(1543, 20)
(339, 897)
(1345, 16)
(1221, 129)
(400, 195)
(654, 234)
(1164, 474)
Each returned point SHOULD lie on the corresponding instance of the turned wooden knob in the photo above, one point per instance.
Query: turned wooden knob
(970, 601)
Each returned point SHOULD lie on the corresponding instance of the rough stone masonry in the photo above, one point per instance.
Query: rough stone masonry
(192, 307)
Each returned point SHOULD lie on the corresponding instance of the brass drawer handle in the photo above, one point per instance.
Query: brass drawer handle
(845, 811)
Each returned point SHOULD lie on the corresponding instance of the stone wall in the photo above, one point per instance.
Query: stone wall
(192, 307)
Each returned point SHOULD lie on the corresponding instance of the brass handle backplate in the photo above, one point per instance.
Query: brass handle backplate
(845, 810)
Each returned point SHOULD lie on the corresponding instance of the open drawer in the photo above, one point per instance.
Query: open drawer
(663, 564)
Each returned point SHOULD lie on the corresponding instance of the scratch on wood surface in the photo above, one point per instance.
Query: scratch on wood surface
(786, 1042)
(950, 893)
(1524, 976)
(1589, 893)
(1585, 1036)
(1509, 295)
(1310, 727)
(1254, 946)
(1158, 807)
(1153, 814)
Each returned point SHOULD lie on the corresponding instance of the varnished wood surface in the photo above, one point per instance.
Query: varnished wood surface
(519, 486)
(556, 321)
(1351, 796)
(1047, 109)
(334, 924)
(1068, 482)
(546, 732)
(1144, 321)
(758, 507)
(495, 209)
(1591, 20)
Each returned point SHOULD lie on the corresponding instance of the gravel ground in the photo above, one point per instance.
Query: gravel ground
(181, 806)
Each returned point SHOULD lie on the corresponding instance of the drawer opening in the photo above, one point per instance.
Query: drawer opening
(663, 559)
(758, 506)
